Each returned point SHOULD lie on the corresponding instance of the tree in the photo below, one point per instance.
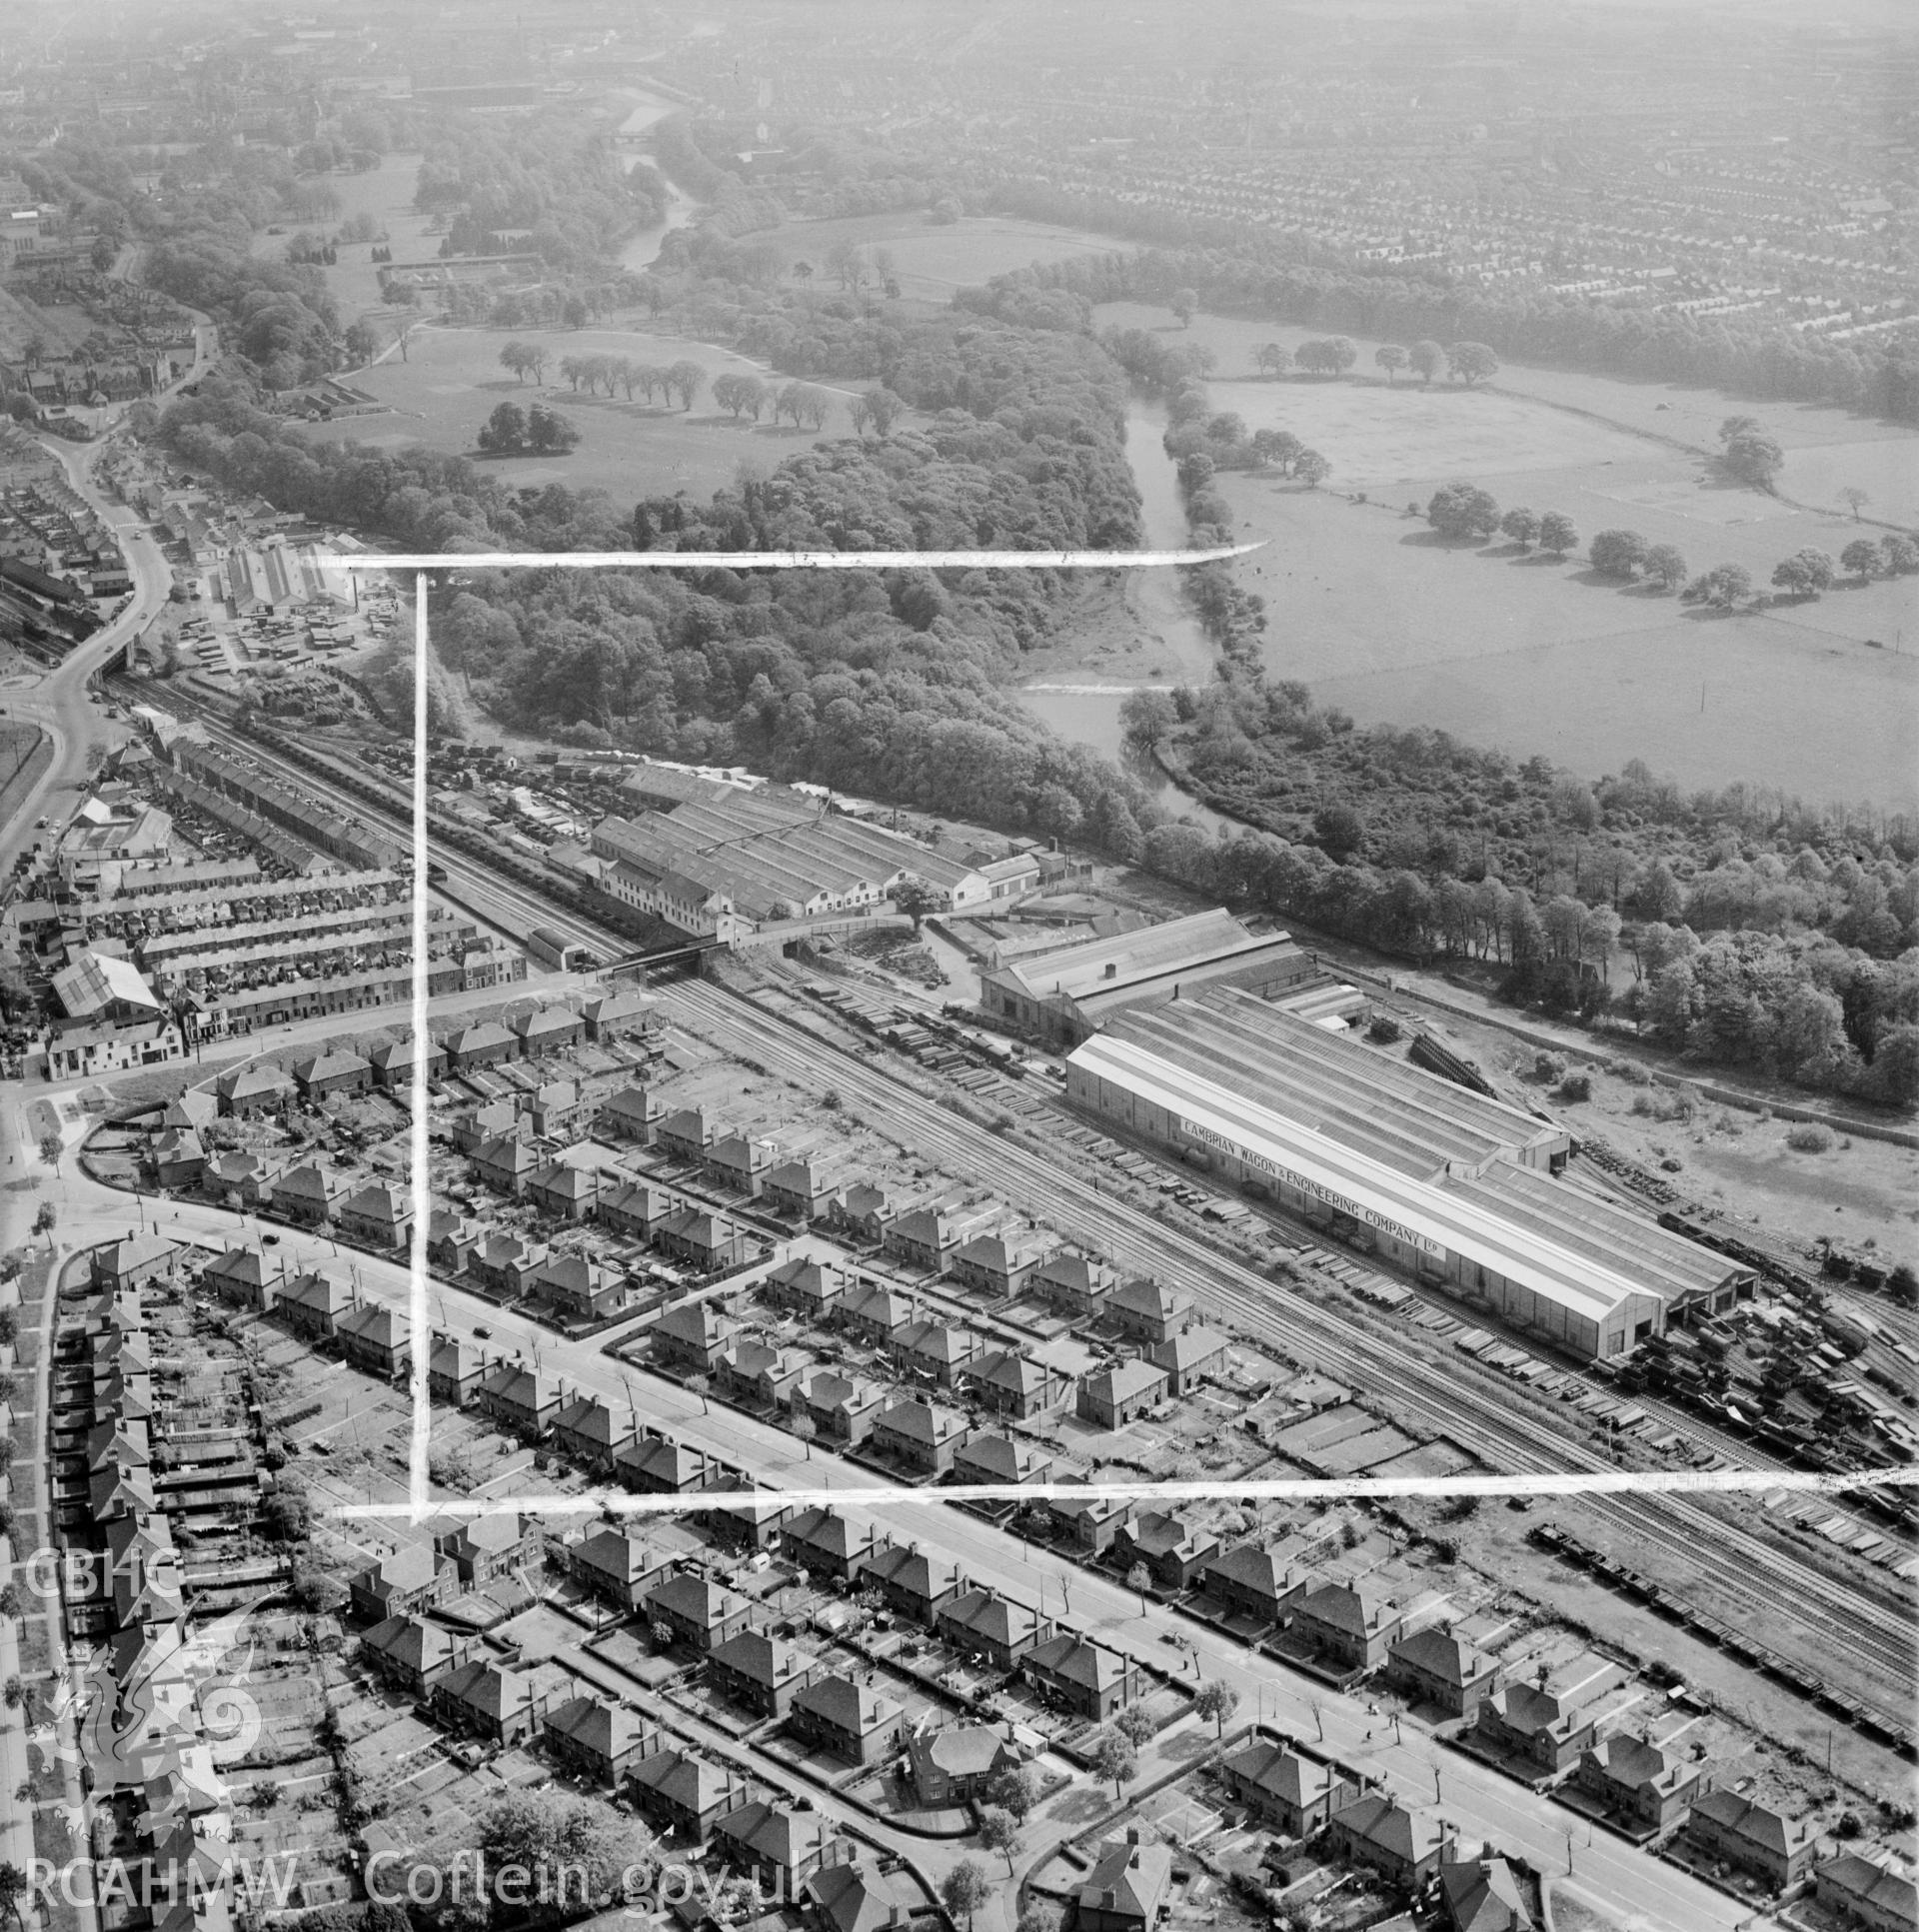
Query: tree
(1276, 445)
(1139, 1582)
(1039, 1916)
(1618, 553)
(10, 1601)
(1147, 717)
(1462, 510)
(1136, 1724)
(1805, 572)
(1723, 587)
(1522, 526)
(1000, 1831)
(505, 432)
(879, 408)
(560, 1836)
(50, 1148)
(574, 312)
(964, 1890)
(1311, 468)
(846, 263)
(1901, 553)
(1272, 359)
(44, 1219)
(804, 1428)
(549, 432)
(1755, 458)
(683, 380)
(1391, 358)
(699, 1386)
(287, 1516)
(1184, 303)
(1665, 567)
(1557, 533)
(1855, 499)
(1216, 1700)
(1471, 363)
(1016, 1791)
(362, 344)
(1862, 557)
(743, 395)
(1427, 359)
(103, 253)
(1329, 356)
(914, 899)
(1339, 830)
(14, 1888)
(1115, 1762)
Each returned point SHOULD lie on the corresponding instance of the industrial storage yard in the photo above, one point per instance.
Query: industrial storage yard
(1157, 1200)
(721, 1286)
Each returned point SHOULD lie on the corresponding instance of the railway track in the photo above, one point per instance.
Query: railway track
(1751, 1570)
(466, 880)
(1876, 1637)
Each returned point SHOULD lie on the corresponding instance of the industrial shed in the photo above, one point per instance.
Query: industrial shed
(1075, 990)
(1452, 1186)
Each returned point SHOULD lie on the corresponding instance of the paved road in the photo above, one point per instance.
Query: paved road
(59, 702)
(1480, 1804)
(18, 1201)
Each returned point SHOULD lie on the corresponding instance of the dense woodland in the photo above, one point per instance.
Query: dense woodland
(893, 683)
(1759, 932)
(537, 180)
(1740, 928)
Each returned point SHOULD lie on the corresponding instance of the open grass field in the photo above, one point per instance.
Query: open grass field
(1383, 618)
(1523, 652)
(385, 193)
(453, 379)
(1651, 408)
(1392, 439)
(931, 258)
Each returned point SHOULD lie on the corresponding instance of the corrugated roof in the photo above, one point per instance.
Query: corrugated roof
(1374, 1104)
(1082, 968)
(1555, 1269)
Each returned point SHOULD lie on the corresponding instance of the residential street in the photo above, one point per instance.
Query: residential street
(1479, 1802)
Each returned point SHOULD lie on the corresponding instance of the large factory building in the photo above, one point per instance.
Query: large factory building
(1455, 1187)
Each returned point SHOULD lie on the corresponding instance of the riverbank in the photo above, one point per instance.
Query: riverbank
(1131, 632)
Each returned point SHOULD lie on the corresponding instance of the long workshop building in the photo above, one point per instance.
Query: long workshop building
(1456, 1187)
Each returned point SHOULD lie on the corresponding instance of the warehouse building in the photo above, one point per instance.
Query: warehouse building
(1454, 1187)
(1070, 992)
(717, 860)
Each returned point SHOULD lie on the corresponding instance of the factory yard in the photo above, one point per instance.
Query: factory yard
(797, 1230)
(523, 1629)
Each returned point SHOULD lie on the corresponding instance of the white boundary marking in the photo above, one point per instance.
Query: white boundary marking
(789, 560)
(1573, 1482)
(421, 1501)
(418, 1480)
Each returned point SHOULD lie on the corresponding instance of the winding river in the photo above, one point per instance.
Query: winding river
(1086, 711)
(643, 248)
(1082, 710)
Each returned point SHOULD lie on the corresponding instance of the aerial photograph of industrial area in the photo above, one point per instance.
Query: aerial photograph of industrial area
(702, 1235)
